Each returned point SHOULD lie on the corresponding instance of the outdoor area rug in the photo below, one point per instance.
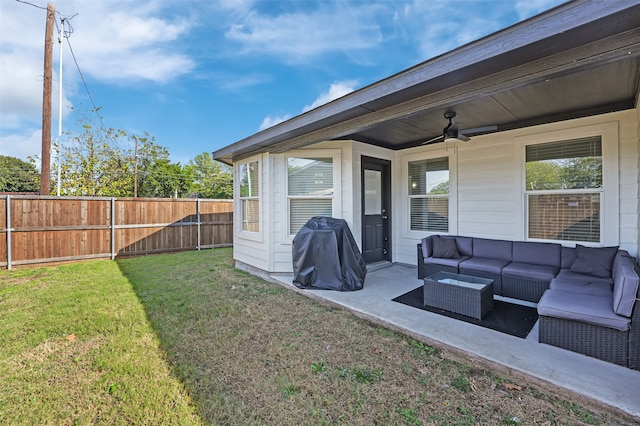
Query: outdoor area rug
(509, 318)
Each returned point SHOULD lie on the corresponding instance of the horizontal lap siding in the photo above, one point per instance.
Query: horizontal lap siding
(486, 189)
(628, 160)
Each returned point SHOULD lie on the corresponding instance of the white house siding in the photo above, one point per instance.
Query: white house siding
(252, 248)
(487, 202)
(486, 199)
(629, 177)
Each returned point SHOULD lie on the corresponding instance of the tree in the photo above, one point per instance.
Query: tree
(17, 175)
(101, 162)
(94, 164)
(211, 178)
(162, 179)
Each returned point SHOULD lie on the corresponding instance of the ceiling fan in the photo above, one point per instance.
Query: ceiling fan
(451, 133)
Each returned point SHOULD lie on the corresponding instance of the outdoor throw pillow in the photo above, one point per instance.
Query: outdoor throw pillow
(595, 261)
(445, 248)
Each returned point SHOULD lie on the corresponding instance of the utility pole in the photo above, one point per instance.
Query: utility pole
(135, 171)
(59, 139)
(46, 102)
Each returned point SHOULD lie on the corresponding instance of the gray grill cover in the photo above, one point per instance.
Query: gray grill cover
(325, 256)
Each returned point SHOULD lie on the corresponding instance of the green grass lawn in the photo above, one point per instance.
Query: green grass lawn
(187, 339)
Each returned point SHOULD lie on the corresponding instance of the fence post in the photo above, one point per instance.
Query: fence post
(8, 206)
(113, 228)
(198, 219)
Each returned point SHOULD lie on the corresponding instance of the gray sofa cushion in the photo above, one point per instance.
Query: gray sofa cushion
(582, 286)
(568, 274)
(596, 261)
(528, 270)
(443, 261)
(537, 253)
(427, 247)
(581, 307)
(444, 247)
(465, 245)
(625, 288)
(492, 249)
(484, 264)
(568, 256)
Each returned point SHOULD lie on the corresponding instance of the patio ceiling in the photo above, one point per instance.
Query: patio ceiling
(579, 59)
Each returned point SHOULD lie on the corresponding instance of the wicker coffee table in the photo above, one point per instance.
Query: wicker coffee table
(462, 294)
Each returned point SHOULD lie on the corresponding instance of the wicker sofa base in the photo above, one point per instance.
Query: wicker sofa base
(523, 288)
(634, 353)
(595, 341)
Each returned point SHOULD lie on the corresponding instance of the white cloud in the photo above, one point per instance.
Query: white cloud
(336, 90)
(22, 145)
(529, 8)
(271, 121)
(119, 47)
(238, 82)
(300, 36)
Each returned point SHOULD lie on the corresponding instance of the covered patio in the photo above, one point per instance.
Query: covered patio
(597, 380)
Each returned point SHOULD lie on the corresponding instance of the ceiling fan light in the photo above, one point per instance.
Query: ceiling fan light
(451, 139)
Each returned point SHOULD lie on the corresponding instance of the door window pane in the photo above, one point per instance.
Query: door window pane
(372, 192)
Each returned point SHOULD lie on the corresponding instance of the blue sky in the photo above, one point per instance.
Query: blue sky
(201, 74)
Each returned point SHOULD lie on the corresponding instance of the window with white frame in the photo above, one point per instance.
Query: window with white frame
(429, 195)
(309, 189)
(249, 177)
(564, 190)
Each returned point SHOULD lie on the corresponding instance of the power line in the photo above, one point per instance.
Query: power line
(86, 88)
(31, 4)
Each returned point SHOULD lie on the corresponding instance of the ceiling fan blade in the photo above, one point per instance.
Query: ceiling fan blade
(433, 140)
(479, 130)
(476, 131)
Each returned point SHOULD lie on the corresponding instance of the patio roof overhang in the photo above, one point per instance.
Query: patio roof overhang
(579, 59)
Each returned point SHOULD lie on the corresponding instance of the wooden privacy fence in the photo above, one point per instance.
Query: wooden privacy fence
(43, 230)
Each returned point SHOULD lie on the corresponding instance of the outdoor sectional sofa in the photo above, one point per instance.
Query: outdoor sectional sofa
(587, 297)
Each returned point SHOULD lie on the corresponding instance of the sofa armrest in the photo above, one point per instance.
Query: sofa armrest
(634, 331)
(420, 262)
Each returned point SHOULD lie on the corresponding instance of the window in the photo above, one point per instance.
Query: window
(564, 190)
(249, 196)
(310, 189)
(429, 195)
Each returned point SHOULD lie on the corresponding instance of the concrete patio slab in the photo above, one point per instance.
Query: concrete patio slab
(597, 380)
